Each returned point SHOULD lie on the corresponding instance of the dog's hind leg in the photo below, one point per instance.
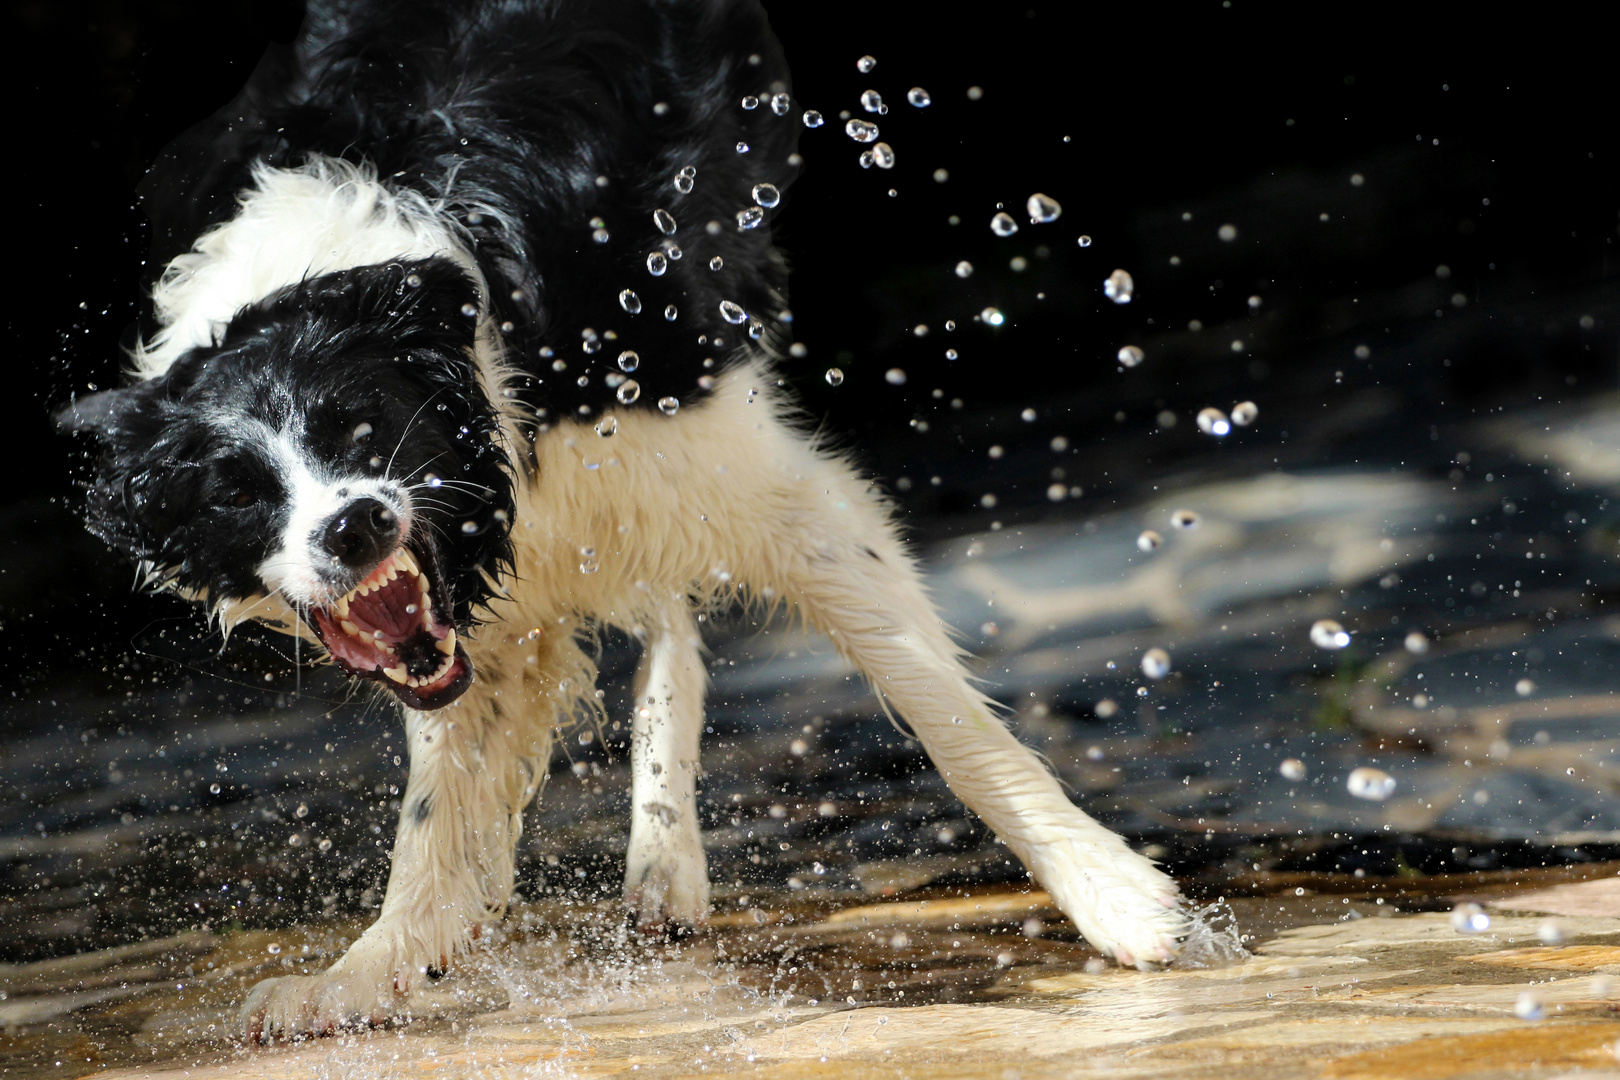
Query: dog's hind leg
(474, 767)
(666, 881)
(840, 560)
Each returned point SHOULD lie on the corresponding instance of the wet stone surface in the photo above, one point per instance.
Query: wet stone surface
(187, 829)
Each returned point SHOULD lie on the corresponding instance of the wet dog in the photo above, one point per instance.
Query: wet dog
(462, 346)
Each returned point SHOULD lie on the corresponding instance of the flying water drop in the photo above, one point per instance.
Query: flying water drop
(992, 316)
(780, 104)
(630, 301)
(629, 360)
(1374, 785)
(1244, 413)
(767, 195)
(1292, 769)
(732, 313)
(1469, 918)
(835, 376)
(964, 269)
(861, 131)
(668, 406)
(865, 64)
(1213, 422)
(1327, 634)
(1416, 643)
(871, 100)
(1131, 355)
(1085, 241)
(665, 221)
(716, 263)
(1119, 287)
(657, 263)
(1042, 209)
(1185, 519)
(1149, 540)
(629, 391)
(750, 102)
(919, 97)
(883, 156)
(1155, 663)
(812, 119)
(750, 218)
(1003, 225)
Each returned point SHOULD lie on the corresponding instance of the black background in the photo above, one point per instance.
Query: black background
(1486, 146)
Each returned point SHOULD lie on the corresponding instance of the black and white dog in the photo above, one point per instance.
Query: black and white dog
(465, 347)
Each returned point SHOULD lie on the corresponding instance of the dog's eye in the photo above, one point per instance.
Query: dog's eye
(361, 434)
(242, 499)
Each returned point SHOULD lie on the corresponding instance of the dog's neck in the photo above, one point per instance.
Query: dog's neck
(293, 224)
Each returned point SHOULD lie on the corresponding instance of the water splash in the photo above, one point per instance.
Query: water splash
(1213, 939)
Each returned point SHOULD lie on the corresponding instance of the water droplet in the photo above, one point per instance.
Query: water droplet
(865, 159)
(1155, 663)
(835, 376)
(274, 949)
(1292, 769)
(1149, 540)
(1131, 355)
(1374, 785)
(750, 102)
(780, 104)
(214, 787)
(812, 119)
(302, 811)
(861, 131)
(742, 147)
(1527, 1006)
(629, 392)
(1003, 225)
(1042, 209)
(1119, 287)
(1244, 413)
(629, 360)
(1469, 918)
(865, 64)
(964, 269)
(657, 263)
(670, 312)
(883, 155)
(325, 844)
(951, 354)
(919, 97)
(1524, 687)
(1185, 519)
(1328, 634)
(895, 376)
(767, 195)
(716, 263)
(940, 176)
(871, 100)
(668, 406)
(630, 301)
(665, 221)
(750, 218)
(469, 310)
(732, 313)
(992, 316)
(1085, 241)
(600, 235)
(607, 426)
(1212, 421)
(1227, 233)
(1416, 643)
(683, 184)
(469, 527)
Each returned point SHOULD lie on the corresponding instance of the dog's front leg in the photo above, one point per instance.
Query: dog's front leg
(473, 770)
(666, 881)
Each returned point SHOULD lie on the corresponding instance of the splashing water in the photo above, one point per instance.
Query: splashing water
(1003, 224)
(871, 100)
(1374, 785)
(1213, 939)
(780, 104)
(1119, 287)
(1131, 355)
(813, 119)
(861, 131)
(732, 312)
(1213, 422)
(865, 64)
(630, 301)
(665, 221)
(766, 195)
(883, 155)
(1244, 413)
(1155, 663)
(1328, 634)
(657, 263)
(1042, 209)
(1292, 769)
(1149, 540)
(919, 97)
(835, 376)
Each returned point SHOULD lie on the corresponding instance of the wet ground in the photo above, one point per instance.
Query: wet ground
(206, 830)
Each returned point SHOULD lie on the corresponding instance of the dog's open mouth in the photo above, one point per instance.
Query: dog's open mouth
(396, 626)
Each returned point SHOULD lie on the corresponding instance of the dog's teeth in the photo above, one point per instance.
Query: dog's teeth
(385, 647)
(413, 681)
(447, 644)
(396, 673)
(342, 607)
(350, 629)
(408, 561)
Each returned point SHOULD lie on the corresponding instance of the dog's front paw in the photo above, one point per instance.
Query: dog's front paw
(666, 886)
(1122, 903)
(363, 989)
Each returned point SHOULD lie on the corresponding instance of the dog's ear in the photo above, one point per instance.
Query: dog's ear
(95, 414)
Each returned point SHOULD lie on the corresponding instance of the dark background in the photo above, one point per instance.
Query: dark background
(1468, 271)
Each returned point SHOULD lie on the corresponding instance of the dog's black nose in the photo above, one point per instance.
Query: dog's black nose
(361, 534)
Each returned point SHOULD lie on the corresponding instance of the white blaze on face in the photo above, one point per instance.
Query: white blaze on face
(300, 568)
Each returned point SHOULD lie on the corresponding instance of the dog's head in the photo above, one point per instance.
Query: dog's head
(335, 452)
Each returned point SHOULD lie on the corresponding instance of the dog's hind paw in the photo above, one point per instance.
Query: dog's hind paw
(363, 989)
(667, 888)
